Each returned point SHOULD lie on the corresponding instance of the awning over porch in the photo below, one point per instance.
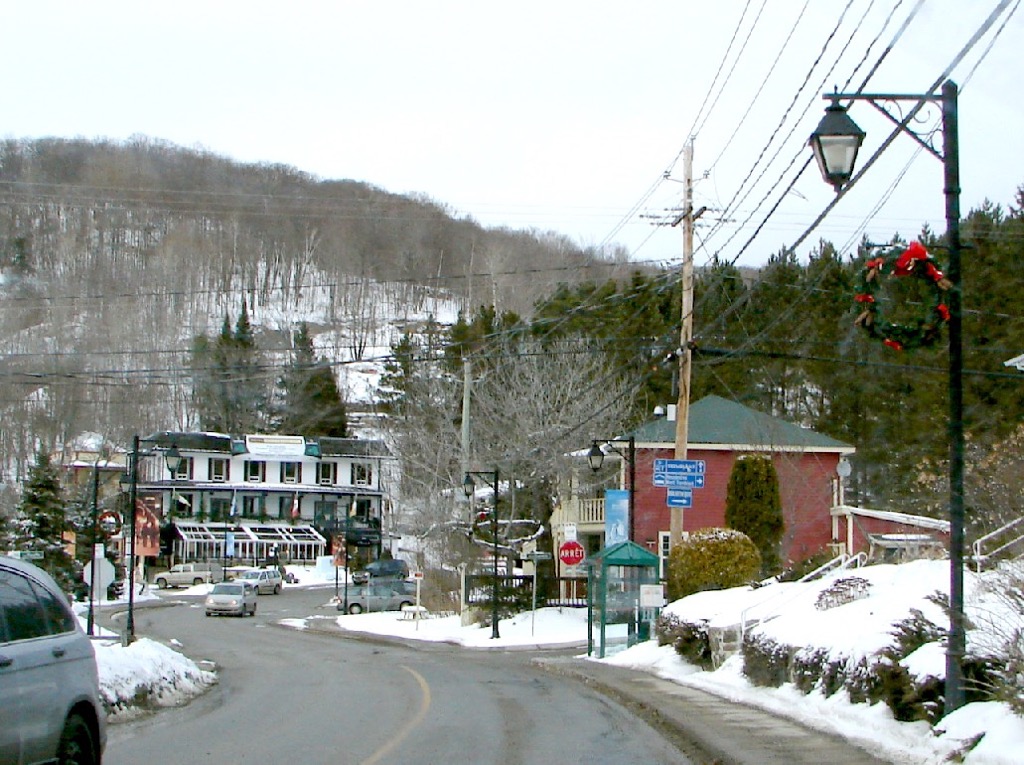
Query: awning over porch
(254, 542)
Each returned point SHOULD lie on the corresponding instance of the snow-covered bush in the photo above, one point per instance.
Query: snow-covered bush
(711, 559)
(690, 640)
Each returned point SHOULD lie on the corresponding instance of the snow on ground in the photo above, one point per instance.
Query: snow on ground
(789, 614)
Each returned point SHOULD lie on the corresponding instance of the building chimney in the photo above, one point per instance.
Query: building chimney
(671, 412)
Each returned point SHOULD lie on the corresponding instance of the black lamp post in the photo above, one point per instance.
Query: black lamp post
(94, 565)
(596, 459)
(468, 486)
(835, 146)
(173, 459)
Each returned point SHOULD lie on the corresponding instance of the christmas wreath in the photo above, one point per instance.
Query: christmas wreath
(913, 261)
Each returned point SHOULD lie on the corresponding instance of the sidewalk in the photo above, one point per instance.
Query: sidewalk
(709, 729)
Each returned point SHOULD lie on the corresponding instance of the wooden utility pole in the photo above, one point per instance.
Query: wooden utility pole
(686, 333)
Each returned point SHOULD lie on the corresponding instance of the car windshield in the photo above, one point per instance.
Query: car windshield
(249, 575)
(227, 589)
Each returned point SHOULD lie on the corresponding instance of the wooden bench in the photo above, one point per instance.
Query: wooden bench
(413, 612)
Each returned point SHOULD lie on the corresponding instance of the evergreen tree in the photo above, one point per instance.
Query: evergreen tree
(40, 522)
(230, 385)
(753, 506)
(313, 405)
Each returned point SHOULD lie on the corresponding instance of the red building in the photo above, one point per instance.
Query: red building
(720, 431)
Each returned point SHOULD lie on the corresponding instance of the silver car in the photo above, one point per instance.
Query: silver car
(238, 598)
(392, 596)
(50, 708)
(266, 580)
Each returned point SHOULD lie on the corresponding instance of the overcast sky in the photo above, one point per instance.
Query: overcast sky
(557, 115)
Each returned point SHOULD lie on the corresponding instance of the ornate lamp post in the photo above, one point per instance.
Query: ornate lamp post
(596, 459)
(173, 460)
(468, 486)
(835, 144)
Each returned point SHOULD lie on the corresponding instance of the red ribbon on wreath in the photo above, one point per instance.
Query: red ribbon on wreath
(913, 261)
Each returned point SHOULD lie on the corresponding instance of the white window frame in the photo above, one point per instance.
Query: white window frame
(184, 471)
(220, 469)
(291, 472)
(255, 471)
(362, 474)
(664, 544)
(327, 473)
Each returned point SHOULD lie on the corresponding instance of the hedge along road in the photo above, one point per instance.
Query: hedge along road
(315, 697)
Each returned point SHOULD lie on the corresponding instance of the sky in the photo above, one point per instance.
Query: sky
(892, 591)
(567, 117)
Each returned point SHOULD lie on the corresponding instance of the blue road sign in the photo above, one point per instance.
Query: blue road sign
(679, 497)
(677, 467)
(680, 480)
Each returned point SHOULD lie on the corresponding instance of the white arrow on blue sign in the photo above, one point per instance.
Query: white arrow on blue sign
(676, 467)
(679, 497)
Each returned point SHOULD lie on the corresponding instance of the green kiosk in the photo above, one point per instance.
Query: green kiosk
(622, 583)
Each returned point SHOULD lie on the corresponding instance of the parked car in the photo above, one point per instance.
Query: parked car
(383, 568)
(238, 598)
(390, 596)
(188, 574)
(266, 580)
(50, 709)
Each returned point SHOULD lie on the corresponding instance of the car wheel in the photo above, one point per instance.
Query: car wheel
(277, 589)
(253, 611)
(209, 614)
(197, 581)
(76, 743)
(355, 608)
(161, 583)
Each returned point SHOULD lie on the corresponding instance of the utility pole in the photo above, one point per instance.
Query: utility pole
(686, 332)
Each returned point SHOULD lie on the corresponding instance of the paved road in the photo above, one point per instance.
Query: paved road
(324, 696)
(289, 696)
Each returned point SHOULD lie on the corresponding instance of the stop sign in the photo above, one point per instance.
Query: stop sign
(571, 553)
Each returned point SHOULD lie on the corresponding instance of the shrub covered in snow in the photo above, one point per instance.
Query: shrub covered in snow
(690, 640)
(711, 559)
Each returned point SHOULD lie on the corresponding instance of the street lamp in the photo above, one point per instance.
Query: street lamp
(173, 459)
(468, 486)
(596, 459)
(835, 144)
(832, 144)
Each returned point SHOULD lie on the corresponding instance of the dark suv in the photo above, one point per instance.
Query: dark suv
(383, 568)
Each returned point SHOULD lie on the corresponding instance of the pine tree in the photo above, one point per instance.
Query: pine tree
(753, 506)
(229, 383)
(313, 405)
(40, 522)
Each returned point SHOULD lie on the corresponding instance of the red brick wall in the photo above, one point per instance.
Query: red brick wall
(805, 486)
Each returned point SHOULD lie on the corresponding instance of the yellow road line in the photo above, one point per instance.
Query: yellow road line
(410, 726)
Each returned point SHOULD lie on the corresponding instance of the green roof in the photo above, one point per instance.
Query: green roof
(624, 554)
(717, 421)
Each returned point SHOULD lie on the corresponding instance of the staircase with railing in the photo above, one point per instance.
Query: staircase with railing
(1005, 542)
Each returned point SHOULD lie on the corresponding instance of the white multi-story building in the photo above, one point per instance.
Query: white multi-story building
(263, 487)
